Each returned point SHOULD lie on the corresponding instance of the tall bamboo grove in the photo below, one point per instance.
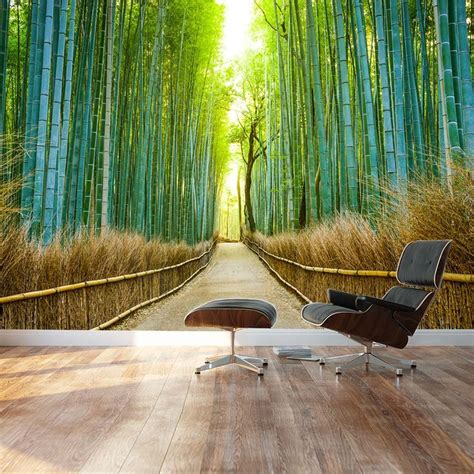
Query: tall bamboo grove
(117, 112)
(360, 96)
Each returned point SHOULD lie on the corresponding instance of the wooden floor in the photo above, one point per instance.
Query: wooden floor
(143, 409)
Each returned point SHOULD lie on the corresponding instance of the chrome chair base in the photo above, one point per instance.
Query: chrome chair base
(254, 364)
(367, 357)
(371, 359)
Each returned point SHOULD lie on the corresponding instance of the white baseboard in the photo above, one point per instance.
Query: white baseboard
(248, 337)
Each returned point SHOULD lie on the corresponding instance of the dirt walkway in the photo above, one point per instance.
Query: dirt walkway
(234, 271)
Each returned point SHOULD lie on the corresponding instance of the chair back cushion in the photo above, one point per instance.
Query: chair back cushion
(422, 262)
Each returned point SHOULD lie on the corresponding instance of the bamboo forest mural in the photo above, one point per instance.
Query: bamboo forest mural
(137, 136)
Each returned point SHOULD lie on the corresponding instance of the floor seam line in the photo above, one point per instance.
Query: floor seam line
(146, 421)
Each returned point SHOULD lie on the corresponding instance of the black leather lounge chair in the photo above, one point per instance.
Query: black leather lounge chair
(390, 320)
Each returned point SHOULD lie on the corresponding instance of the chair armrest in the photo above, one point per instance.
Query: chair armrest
(340, 298)
(362, 301)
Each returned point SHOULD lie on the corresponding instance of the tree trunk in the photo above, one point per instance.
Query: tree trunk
(239, 198)
(248, 177)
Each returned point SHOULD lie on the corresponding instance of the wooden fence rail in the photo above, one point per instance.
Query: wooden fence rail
(459, 277)
(452, 310)
(94, 303)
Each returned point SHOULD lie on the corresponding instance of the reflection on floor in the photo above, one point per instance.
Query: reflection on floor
(143, 409)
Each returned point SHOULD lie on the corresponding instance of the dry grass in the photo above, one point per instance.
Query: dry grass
(429, 211)
(347, 241)
(25, 266)
(9, 188)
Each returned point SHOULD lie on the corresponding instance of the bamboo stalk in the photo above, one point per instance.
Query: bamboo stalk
(366, 93)
(314, 57)
(104, 204)
(446, 76)
(347, 119)
(465, 62)
(4, 21)
(388, 139)
(52, 174)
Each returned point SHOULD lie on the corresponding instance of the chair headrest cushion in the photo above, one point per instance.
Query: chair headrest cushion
(422, 262)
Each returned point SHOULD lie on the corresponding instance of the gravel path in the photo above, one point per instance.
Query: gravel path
(234, 271)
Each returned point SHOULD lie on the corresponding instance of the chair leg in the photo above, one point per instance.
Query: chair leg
(311, 358)
(254, 360)
(343, 357)
(323, 359)
(246, 364)
(379, 362)
(217, 362)
(358, 360)
(407, 363)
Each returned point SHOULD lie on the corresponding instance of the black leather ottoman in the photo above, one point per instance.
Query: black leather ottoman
(232, 315)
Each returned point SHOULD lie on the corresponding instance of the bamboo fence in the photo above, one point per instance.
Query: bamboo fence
(451, 310)
(95, 304)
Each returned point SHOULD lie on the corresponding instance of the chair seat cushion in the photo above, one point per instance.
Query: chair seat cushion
(377, 326)
(233, 313)
(317, 313)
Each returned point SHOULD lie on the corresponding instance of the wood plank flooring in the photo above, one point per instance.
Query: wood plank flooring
(142, 409)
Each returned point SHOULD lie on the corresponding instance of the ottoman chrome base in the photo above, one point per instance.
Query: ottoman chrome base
(254, 364)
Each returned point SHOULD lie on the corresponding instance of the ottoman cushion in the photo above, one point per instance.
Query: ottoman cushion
(233, 313)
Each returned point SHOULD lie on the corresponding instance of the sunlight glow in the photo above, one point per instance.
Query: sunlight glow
(236, 41)
(230, 182)
(238, 17)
